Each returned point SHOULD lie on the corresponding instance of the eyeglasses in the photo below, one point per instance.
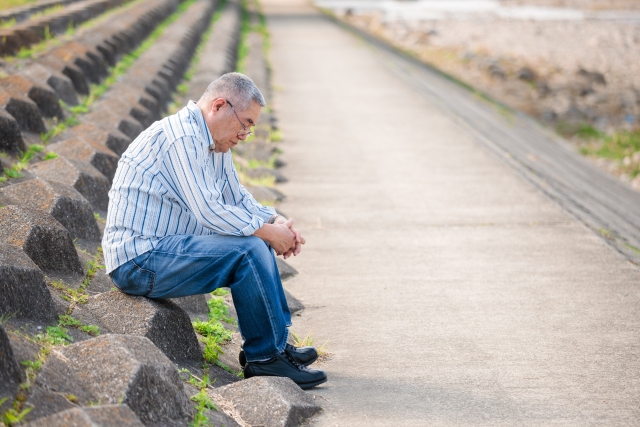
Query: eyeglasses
(245, 131)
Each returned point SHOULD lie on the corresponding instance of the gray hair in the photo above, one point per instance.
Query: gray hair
(237, 88)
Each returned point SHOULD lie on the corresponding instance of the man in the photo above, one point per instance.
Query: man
(180, 223)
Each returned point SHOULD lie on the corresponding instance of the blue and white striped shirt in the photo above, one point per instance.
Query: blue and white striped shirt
(168, 182)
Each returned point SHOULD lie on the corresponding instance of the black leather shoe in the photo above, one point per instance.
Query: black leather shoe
(284, 365)
(303, 355)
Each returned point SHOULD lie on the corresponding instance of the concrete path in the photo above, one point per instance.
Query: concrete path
(452, 292)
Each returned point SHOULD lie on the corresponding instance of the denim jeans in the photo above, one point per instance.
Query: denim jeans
(183, 265)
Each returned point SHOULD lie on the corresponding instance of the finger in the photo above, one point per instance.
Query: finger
(297, 234)
(289, 223)
(297, 250)
(302, 241)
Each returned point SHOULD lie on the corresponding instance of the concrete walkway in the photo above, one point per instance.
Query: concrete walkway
(452, 292)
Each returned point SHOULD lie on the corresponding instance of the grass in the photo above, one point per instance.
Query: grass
(8, 23)
(308, 340)
(620, 147)
(243, 45)
(8, 4)
(22, 163)
(68, 320)
(202, 400)
(79, 296)
(212, 332)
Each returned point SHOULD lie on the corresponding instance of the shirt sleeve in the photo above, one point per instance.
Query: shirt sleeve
(243, 197)
(185, 166)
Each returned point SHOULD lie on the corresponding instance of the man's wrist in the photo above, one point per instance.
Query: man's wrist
(275, 217)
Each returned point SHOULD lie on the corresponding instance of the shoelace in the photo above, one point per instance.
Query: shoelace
(295, 363)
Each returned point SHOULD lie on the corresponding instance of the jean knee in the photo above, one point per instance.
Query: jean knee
(257, 247)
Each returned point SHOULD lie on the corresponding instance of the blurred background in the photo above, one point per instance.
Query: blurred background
(572, 64)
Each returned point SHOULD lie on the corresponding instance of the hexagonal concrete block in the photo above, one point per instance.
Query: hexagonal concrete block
(60, 83)
(102, 158)
(10, 136)
(265, 194)
(120, 369)
(163, 322)
(23, 291)
(295, 306)
(113, 139)
(10, 374)
(60, 201)
(41, 237)
(80, 175)
(285, 270)
(92, 416)
(270, 401)
(195, 306)
(46, 99)
(23, 109)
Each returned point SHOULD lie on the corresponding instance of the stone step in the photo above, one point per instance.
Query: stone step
(163, 322)
(22, 13)
(91, 416)
(41, 237)
(60, 201)
(32, 31)
(118, 369)
(220, 52)
(80, 175)
(10, 373)
(24, 292)
(270, 401)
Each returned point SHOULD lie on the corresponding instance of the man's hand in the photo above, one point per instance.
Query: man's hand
(278, 236)
(297, 247)
(282, 236)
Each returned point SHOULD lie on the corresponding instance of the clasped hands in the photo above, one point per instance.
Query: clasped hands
(283, 237)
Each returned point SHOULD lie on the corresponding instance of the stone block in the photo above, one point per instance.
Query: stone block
(23, 110)
(270, 401)
(10, 373)
(286, 271)
(295, 306)
(88, 151)
(263, 172)
(23, 291)
(59, 61)
(23, 348)
(10, 137)
(265, 194)
(163, 322)
(92, 416)
(120, 369)
(46, 99)
(256, 150)
(195, 306)
(45, 402)
(80, 175)
(41, 237)
(61, 84)
(113, 139)
(60, 201)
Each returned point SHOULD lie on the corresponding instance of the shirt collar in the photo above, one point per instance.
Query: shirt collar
(194, 111)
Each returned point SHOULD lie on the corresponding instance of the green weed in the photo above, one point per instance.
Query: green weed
(68, 320)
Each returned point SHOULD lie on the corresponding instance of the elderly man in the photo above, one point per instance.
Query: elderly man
(180, 223)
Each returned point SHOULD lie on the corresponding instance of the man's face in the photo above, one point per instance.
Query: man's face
(225, 126)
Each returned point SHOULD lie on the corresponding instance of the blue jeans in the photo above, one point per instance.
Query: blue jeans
(183, 265)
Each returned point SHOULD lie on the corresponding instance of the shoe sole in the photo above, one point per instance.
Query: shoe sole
(241, 358)
(312, 384)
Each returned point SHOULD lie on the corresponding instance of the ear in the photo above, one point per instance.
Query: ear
(217, 104)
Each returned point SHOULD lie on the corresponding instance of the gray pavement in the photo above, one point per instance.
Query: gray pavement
(451, 290)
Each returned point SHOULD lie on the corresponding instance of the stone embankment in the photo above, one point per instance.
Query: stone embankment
(73, 349)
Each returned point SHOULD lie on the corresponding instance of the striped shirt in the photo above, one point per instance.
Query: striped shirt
(170, 182)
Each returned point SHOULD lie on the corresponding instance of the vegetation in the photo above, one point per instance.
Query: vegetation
(8, 4)
(212, 332)
(623, 147)
(25, 158)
